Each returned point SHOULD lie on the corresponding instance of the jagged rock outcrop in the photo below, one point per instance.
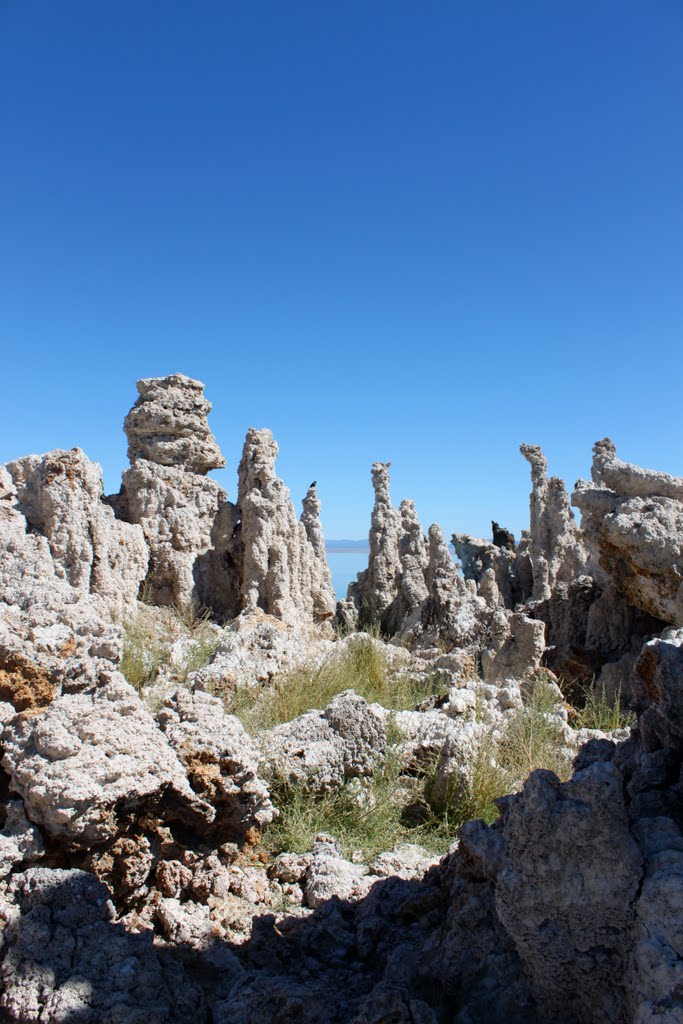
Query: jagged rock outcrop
(60, 495)
(186, 518)
(412, 551)
(451, 612)
(284, 570)
(411, 586)
(632, 520)
(67, 570)
(168, 425)
(509, 562)
(556, 550)
(221, 763)
(376, 588)
(94, 763)
(322, 589)
(567, 908)
(203, 548)
(517, 646)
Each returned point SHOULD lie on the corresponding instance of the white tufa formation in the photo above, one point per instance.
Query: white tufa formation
(284, 571)
(166, 491)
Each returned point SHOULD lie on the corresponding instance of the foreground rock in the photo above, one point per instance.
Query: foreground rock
(221, 763)
(66, 960)
(93, 764)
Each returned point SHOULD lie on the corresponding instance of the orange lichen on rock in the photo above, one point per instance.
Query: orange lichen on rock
(23, 684)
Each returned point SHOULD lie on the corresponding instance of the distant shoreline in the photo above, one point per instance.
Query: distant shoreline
(346, 549)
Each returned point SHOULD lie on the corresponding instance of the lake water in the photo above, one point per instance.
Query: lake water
(345, 565)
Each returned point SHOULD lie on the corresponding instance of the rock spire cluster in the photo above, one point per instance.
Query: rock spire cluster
(133, 883)
(203, 548)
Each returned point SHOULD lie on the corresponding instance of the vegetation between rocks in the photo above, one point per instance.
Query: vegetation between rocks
(179, 640)
(402, 802)
(361, 666)
(599, 712)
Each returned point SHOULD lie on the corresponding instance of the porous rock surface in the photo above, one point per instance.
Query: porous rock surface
(220, 760)
(68, 571)
(185, 516)
(284, 570)
(322, 749)
(168, 425)
(66, 960)
(632, 520)
(411, 587)
(92, 762)
(230, 558)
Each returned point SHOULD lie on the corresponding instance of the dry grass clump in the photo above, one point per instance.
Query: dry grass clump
(399, 804)
(361, 666)
(601, 712)
(150, 634)
(361, 816)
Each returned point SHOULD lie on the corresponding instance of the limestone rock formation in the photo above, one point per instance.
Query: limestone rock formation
(556, 550)
(517, 646)
(377, 587)
(411, 586)
(168, 425)
(220, 760)
(94, 762)
(567, 908)
(67, 571)
(509, 562)
(283, 570)
(323, 591)
(632, 520)
(187, 521)
(61, 498)
(451, 612)
(321, 749)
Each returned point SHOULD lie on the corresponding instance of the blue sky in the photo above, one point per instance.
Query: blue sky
(423, 232)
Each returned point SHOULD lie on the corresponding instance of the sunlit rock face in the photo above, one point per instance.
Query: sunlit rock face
(186, 518)
(284, 570)
(228, 557)
(632, 521)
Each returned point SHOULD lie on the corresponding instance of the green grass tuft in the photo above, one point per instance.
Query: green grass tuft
(599, 712)
(360, 666)
(149, 636)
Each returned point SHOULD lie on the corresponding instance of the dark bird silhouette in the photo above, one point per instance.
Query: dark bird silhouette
(313, 484)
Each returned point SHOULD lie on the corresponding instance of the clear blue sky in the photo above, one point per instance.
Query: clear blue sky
(417, 231)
